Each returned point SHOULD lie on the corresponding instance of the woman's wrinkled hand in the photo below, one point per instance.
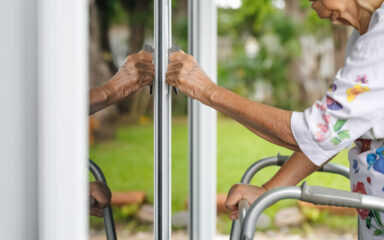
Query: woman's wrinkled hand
(239, 192)
(185, 74)
(100, 196)
(136, 72)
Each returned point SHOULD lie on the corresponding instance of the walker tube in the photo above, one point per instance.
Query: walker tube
(263, 202)
(311, 194)
(333, 197)
(247, 178)
(371, 202)
(243, 208)
(265, 162)
(329, 196)
(276, 161)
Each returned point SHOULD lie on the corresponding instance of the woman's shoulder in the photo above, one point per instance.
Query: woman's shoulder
(367, 54)
(371, 44)
(375, 33)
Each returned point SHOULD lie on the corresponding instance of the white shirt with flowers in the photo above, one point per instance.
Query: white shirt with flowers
(352, 108)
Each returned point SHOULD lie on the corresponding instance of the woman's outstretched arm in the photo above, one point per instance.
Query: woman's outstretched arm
(270, 123)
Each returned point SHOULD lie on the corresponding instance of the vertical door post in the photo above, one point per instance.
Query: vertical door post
(162, 122)
(202, 124)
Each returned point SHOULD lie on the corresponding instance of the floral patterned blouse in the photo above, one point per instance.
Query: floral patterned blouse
(353, 107)
(353, 111)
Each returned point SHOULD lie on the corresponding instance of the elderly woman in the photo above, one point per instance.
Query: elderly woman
(352, 110)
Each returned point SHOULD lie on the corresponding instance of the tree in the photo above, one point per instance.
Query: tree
(99, 73)
(139, 20)
(286, 38)
(275, 35)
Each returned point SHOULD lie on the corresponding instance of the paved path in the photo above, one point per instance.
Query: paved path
(320, 235)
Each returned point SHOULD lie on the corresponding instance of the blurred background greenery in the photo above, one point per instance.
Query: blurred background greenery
(273, 51)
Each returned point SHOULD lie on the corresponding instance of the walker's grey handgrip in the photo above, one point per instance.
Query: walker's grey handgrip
(243, 208)
(332, 197)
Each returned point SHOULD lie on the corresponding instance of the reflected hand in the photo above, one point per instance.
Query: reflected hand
(185, 74)
(239, 192)
(136, 72)
(102, 196)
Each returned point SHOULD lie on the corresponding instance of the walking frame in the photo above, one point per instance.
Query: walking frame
(244, 227)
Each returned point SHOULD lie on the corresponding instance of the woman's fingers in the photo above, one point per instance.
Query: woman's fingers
(242, 191)
(172, 76)
(185, 74)
(145, 66)
(175, 66)
(146, 77)
(101, 193)
(234, 196)
(97, 212)
(144, 56)
(146, 73)
(102, 198)
(234, 215)
(149, 73)
(177, 56)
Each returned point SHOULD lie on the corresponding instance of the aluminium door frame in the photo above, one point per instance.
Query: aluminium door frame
(162, 121)
(202, 121)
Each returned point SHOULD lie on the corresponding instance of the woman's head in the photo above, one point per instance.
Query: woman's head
(332, 9)
(348, 12)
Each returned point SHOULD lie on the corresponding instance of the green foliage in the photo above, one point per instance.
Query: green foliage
(253, 14)
(312, 214)
(337, 223)
(115, 12)
(224, 224)
(278, 46)
(129, 210)
(313, 24)
(277, 37)
(276, 34)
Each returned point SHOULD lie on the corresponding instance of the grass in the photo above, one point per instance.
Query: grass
(127, 161)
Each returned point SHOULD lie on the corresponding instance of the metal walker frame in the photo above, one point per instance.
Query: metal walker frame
(244, 227)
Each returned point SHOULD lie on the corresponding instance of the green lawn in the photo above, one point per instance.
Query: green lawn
(128, 161)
